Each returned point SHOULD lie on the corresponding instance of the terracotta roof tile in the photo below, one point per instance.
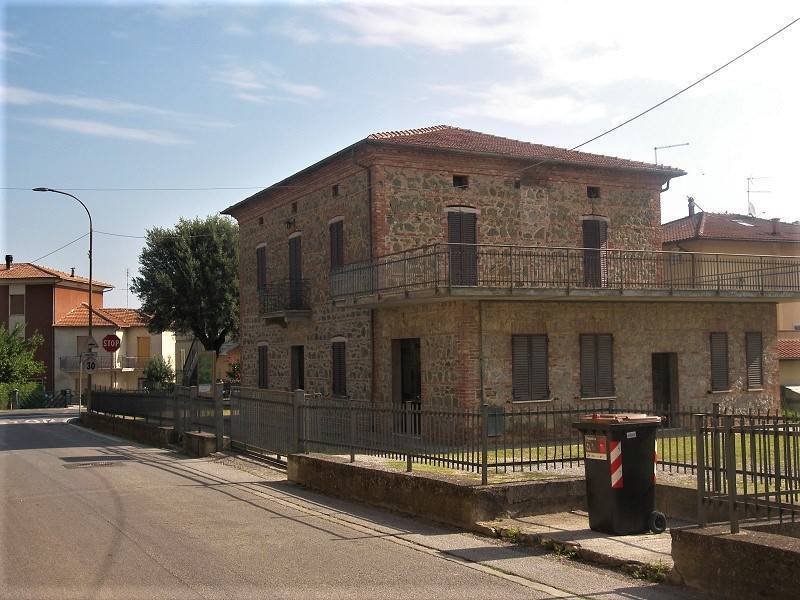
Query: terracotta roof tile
(445, 137)
(789, 349)
(120, 318)
(32, 271)
(723, 226)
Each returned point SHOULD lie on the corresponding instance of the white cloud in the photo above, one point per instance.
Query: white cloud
(239, 78)
(9, 45)
(236, 29)
(297, 33)
(98, 129)
(260, 86)
(27, 97)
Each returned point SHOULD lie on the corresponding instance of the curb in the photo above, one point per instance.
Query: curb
(658, 573)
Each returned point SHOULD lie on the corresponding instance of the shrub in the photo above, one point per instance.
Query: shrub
(159, 373)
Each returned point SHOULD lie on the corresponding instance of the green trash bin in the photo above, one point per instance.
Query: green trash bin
(620, 457)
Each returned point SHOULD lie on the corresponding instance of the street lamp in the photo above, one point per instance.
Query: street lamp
(89, 376)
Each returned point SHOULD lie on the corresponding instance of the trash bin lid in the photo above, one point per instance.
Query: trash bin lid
(620, 418)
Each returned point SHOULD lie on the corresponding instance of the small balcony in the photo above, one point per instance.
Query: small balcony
(442, 271)
(286, 300)
(72, 364)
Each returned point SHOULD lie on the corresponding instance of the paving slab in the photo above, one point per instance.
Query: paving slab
(570, 531)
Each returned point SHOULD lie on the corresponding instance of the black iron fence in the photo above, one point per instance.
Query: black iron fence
(496, 267)
(285, 294)
(749, 464)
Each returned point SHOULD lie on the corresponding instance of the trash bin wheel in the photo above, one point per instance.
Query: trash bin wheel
(657, 522)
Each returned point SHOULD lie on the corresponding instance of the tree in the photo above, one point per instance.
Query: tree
(188, 279)
(17, 362)
(158, 372)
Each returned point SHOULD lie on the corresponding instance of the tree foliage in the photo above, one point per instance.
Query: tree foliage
(158, 372)
(188, 279)
(17, 362)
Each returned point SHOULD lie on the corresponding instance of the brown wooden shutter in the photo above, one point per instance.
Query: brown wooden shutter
(605, 364)
(337, 244)
(540, 387)
(520, 368)
(295, 272)
(588, 366)
(261, 267)
(754, 357)
(719, 361)
(263, 379)
(339, 369)
(595, 268)
(462, 228)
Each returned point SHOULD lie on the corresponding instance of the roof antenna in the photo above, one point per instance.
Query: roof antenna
(657, 148)
(751, 209)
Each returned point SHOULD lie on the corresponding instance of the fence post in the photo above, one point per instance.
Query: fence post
(193, 407)
(484, 444)
(701, 469)
(351, 426)
(219, 418)
(297, 421)
(716, 467)
(730, 471)
(177, 424)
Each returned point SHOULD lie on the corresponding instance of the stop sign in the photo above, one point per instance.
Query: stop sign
(111, 343)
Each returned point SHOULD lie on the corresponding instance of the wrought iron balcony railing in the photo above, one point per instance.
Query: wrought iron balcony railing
(285, 295)
(477, 268)
(105, 362)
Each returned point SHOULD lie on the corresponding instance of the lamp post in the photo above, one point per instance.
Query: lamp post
(89, 376)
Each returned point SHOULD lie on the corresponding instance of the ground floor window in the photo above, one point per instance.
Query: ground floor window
(263, 373)
(719, 361)
(298, 368)
(597, 365)
(529, 367)
(339, 368)
(755, 360)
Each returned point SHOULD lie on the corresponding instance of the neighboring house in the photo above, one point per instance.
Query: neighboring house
(741, 234)
(451, 267)
(38, 296)
(123, 369)
(789, 356)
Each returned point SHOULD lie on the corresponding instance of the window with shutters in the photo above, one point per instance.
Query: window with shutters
(719, 362)
(597, 365)
(339, 369)
(529, 367)
(595, 243)
(755, 360)
(336, 232)
(263, 364)
(261, 268)
(462, 235)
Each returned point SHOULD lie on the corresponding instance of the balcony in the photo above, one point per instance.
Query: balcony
(285, 300)
(442, 271)
(105, 362)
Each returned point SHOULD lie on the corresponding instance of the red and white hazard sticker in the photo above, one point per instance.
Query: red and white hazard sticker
(615, 456)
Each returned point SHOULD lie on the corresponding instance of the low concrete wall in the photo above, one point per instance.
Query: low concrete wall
(146, 433)
(199, 443)
(749, 564)
(432, 497)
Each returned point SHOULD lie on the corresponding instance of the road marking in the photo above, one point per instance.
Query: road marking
(45, 421)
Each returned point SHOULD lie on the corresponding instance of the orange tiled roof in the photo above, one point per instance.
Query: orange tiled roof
(120, 318)
(721, 226)
(446, 137)
(789, 349)
(32, 271)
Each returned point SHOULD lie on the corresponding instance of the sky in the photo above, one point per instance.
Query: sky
(108, 96)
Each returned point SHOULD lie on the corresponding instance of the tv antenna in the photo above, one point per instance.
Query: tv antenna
(751, 209)
(657, 148)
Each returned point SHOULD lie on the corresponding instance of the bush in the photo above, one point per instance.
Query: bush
(31, 395)
(159, 373)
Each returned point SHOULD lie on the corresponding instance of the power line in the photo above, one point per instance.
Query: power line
(59, 248)
(678, 93)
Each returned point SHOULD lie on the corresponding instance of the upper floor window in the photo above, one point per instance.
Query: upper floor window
(597, 365)
(529, 367)
(335, 190)
(592, 191)
(461, 181)
(336, 234)
(261, 267)
(718, 342)
(17, 304)
(755, 360)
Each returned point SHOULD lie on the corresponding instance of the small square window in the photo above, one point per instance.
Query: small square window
(517, 184)
(335, 190)
(260, 220)
(294, 208)
(17, 304)
(461, 181)
(592, 191)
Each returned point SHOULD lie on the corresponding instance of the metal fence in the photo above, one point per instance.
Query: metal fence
(537, 267)
(265, 421)
(749, 464)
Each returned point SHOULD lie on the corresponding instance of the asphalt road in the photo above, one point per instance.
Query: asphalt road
(89, 516)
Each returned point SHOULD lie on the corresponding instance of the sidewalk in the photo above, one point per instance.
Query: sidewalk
(568, 532)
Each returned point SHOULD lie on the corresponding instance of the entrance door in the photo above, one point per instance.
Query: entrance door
(408, 385)
(595, 235)
(295, 273)
(298, 368)
(462, 235)
(142, 351)
(665, 383)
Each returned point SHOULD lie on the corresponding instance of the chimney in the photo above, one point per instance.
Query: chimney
(9, 260)
(691, 206)
(72, 272)
(775, 225)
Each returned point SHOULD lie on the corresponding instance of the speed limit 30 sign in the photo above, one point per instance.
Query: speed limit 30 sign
(89, 363)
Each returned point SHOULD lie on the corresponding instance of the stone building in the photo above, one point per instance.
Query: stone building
(449, 267)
